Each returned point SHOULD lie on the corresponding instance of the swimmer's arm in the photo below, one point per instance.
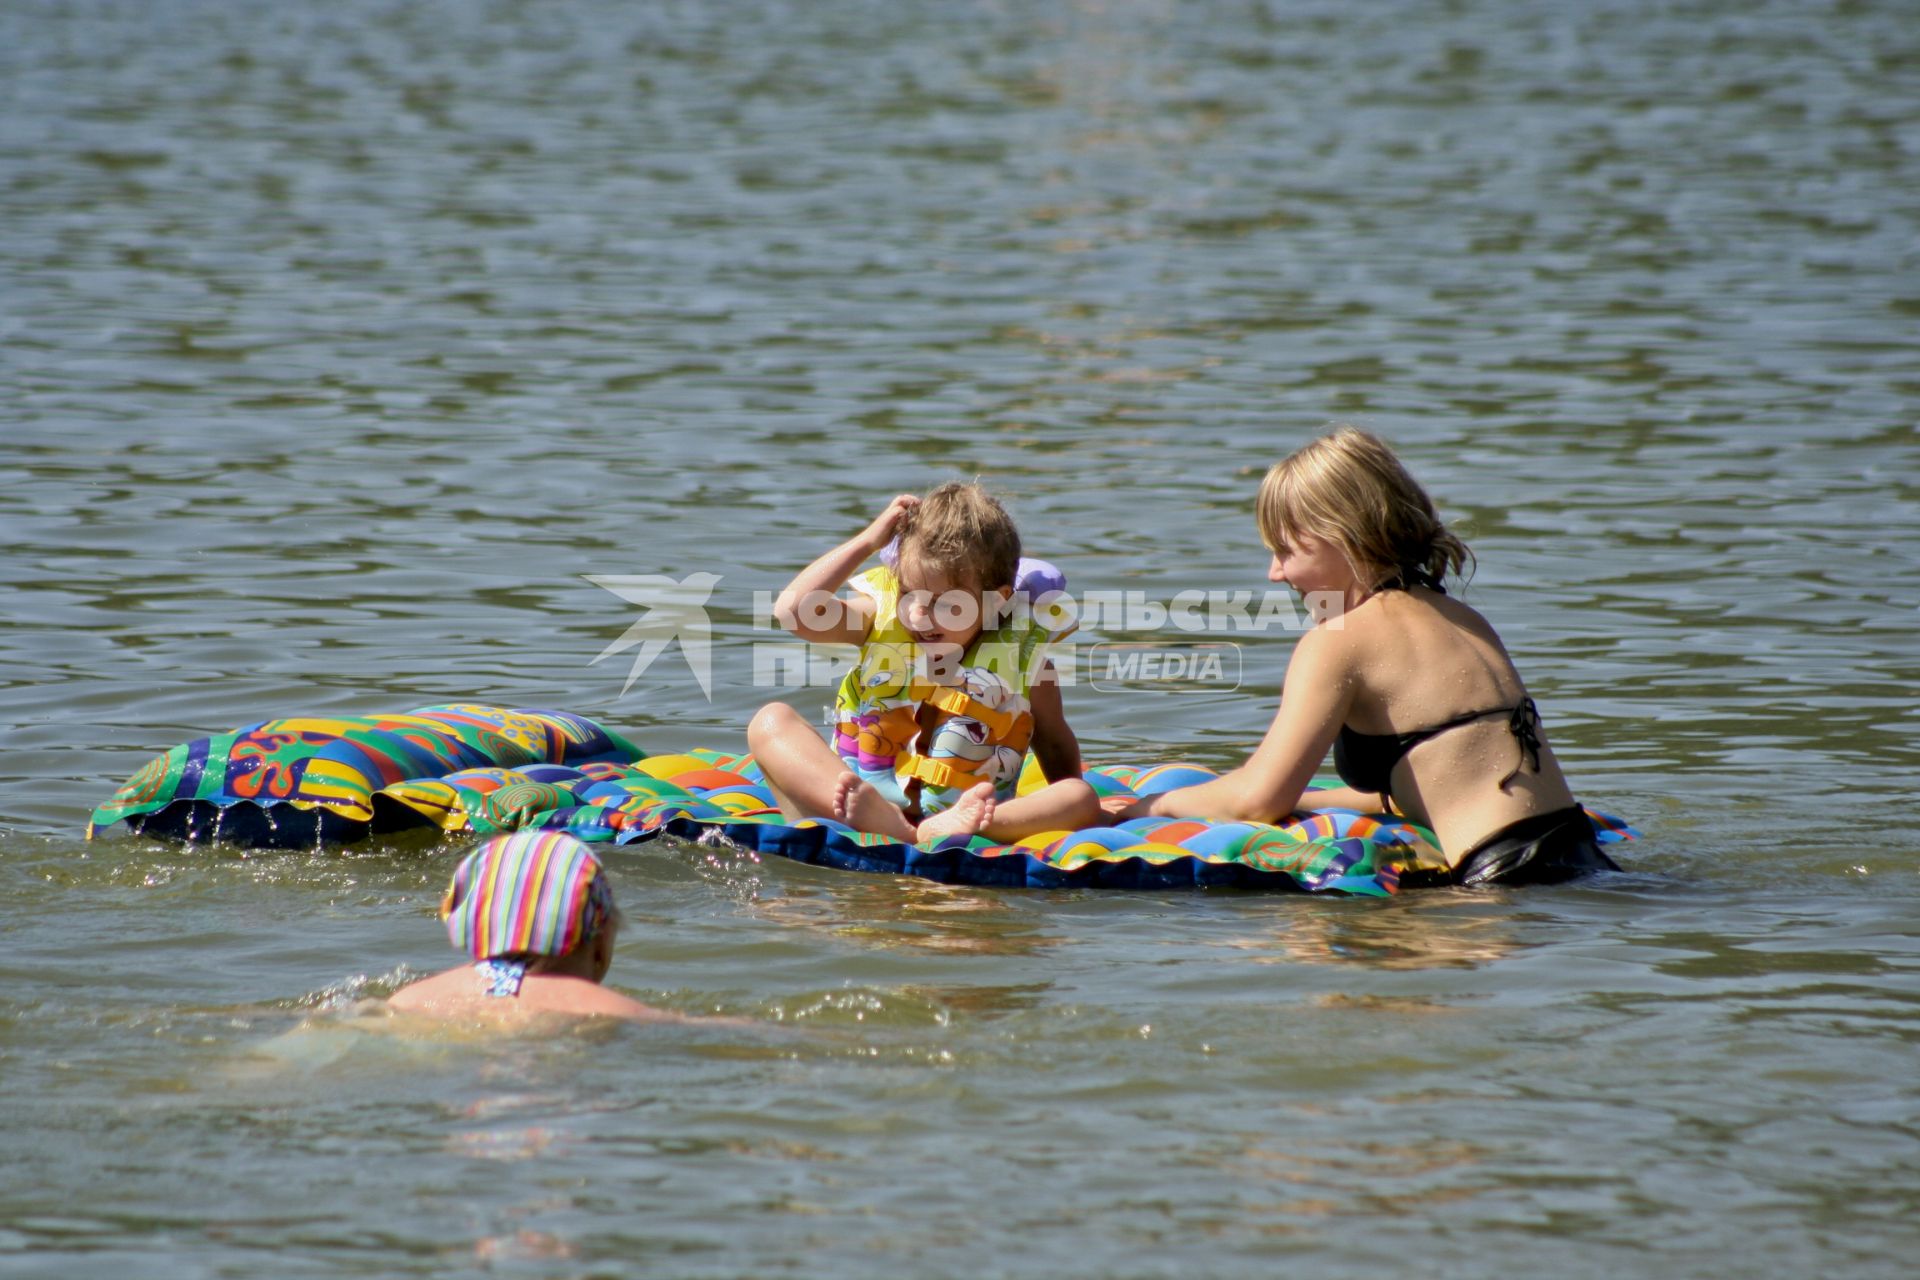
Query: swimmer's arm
(1268, 787)
(809, 609)
(1054, 743)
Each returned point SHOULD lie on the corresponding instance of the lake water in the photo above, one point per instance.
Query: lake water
(342, 341)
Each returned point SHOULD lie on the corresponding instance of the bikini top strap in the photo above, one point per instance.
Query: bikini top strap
(1406, 577)
(1524, 725)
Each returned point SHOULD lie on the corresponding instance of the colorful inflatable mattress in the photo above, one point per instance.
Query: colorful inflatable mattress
(476, 771)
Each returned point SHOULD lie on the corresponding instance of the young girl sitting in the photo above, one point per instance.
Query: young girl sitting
(1412, 689)
(535, 911)
(950, 690)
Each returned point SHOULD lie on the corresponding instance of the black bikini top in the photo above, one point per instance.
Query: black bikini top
(1365, 761)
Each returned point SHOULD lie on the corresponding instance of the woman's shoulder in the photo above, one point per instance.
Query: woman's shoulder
(1330, 650)
(1397, 632)
(1416, 612)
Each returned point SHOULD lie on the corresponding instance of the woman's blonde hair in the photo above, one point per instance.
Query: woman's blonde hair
(963, 530)
(1350, 489)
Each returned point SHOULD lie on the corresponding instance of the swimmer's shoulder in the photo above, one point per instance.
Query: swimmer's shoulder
(543, 993)
(448, 986)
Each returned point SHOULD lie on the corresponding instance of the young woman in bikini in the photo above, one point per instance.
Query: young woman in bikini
(1412, 690)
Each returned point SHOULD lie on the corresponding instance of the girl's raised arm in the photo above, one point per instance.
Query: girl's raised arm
(809, 608)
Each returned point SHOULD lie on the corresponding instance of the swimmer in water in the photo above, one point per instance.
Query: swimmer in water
(536, 913)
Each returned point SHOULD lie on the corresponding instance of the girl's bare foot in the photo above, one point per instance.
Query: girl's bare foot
(966, 817)
(846, 792)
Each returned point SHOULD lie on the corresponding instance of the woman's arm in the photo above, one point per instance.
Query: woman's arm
(809, 608)
(1313, 705)
(1345, 798)
(1054, 743)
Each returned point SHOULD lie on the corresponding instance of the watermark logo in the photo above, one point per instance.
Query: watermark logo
(1194, 612)
(675, 610)
(1113, 667)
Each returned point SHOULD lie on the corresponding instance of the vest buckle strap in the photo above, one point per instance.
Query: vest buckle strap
(938, 773)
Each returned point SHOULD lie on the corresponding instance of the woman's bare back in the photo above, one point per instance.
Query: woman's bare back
(1420, 659)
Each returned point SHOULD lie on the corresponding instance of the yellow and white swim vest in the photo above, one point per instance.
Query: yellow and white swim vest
(985, 720)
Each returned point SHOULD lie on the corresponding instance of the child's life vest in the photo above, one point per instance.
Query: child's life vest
(981, 719)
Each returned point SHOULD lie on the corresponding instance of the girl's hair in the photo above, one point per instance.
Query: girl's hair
(1349, 488)
(962, 530)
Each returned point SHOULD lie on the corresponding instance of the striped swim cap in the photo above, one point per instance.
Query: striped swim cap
(528, 893)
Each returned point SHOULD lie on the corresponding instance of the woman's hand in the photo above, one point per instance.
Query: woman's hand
(885, 525)
(1123, 807)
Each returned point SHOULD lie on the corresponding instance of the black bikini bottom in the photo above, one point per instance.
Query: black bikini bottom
(1544, 849)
